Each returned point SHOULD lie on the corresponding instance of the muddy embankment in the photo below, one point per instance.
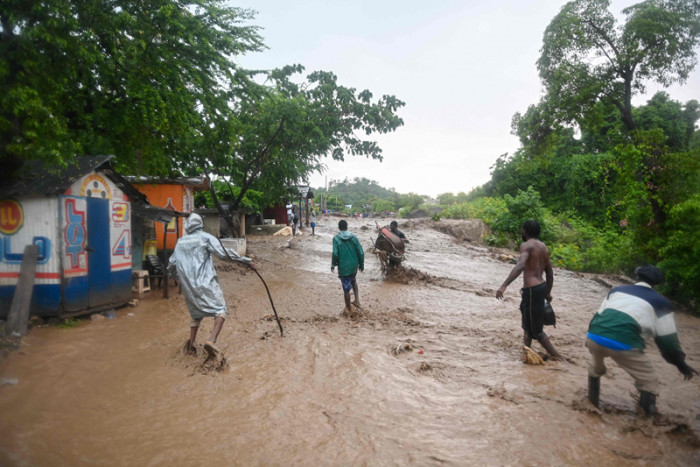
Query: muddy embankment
(426, 373)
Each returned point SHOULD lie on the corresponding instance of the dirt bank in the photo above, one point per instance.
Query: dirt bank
(427, 374)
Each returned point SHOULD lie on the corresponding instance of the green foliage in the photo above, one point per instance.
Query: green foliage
(448, 199)
(409, 202)
(588, 58)
(574, 243)
(156, 83)
(458, 211)
(360, 191)
(676, 121)
(279, 131)
(487, 209)
(681, 252)
(384, 205)
(69, 323)
(650, 180)
(134, 79)
(525, 205)
(368, 196)
(566, 255)
(626, 190)
(253, 200)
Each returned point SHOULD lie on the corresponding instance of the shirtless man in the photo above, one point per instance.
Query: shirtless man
(534, 260)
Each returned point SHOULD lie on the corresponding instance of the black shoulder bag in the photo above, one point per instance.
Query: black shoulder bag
(549, 318)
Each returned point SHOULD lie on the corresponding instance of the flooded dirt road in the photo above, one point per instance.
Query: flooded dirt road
(428, 374)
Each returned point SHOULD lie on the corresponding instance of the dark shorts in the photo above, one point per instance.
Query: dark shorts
(532, 310)
(348, 282)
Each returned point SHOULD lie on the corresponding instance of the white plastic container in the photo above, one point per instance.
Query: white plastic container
(236, 244)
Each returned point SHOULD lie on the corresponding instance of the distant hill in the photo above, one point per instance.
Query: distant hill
(366, 195)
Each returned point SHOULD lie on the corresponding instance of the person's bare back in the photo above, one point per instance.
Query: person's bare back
(536, 262)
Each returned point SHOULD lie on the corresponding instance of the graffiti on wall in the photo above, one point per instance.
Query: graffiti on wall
(75, 235)
(95, 186)
(120, 219)
(11, 221)
(11, 216)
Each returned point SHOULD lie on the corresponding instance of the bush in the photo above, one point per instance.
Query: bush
(525, 205)
(487, 209)
(574, 243)
(681, 254)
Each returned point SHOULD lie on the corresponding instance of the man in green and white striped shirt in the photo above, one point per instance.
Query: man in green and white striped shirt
(629, 315)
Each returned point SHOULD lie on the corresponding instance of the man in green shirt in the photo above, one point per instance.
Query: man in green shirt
(348, 256)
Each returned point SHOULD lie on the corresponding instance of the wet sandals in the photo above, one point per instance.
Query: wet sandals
(187, 349)
(213, 352)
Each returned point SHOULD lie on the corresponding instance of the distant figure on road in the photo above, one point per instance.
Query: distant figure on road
(313, 222)
(629, 315)
(200, 286)
(534, 261)
(290, 208)
(348, 256)
(394, 227)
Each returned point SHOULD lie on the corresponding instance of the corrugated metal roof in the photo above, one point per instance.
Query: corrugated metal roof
(42, 181)
(197, 183)
(157, 214)
(38, 179)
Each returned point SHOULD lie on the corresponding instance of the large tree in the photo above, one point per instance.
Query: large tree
(155, 83)
(134, 79)
(588, 58)
(281, 127)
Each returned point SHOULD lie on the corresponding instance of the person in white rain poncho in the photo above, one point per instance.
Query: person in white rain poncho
(195, 270)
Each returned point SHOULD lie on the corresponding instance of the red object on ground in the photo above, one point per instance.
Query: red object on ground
(420, 351)
(393, 238)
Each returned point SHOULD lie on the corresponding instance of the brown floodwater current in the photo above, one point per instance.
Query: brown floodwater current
(427, 373)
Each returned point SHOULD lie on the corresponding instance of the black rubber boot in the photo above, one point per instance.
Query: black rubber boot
(647, 401)
(594, 390)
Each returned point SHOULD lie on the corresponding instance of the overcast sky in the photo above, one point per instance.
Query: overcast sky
(463, 68)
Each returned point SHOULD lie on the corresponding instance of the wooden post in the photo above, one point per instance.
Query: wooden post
(241, 226)
(165, 259)
(18, 317)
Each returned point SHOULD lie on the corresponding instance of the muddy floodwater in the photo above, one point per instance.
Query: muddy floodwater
(428, 373)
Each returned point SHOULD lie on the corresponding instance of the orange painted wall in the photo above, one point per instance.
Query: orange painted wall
(168, 197)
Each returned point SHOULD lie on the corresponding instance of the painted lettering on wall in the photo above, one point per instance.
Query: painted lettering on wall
(122, 247)
(11, 216)
(95, 186)
(120, 213)
(74, 233)
(10, 257)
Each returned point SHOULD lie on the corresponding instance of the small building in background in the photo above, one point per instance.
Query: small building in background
(84, 219)
(302, 203)
(174, 194)
(276, 214)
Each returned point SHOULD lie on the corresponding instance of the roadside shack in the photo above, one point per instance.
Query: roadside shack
(84, 220)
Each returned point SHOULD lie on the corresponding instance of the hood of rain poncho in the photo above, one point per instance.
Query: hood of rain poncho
(194, 266)
(345, 235)
(194, 223)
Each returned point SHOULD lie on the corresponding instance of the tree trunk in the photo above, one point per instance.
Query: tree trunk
(626, 111)
(222, 212)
